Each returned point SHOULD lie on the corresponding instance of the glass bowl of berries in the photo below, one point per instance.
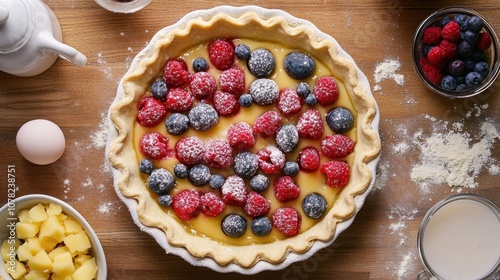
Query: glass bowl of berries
(456, 52)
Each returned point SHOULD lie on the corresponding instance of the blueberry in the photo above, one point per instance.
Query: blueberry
(261, 226)
(259, 183)
(460, 19)
(340, 120)
(146, 166)
(246, 100)
(177, 123)
(200, 64)
(470, 37)
(456, 67)
(165, 200)
(287, 138)
(291, 168)
(181, 171)
(448, 83)
(475, 23)
(461, 87)
(482, 68)
(460, 79)
(261, 63)
(199, 175)
(311, 99)
(314, 205)
(444, 21)
(473, 79)
(234, 225)
(303, 89)
(161, 181)
(264, 91)
(464, 49)
(299, 65)
(469, 64)
(478, 55)
(242, 52)
(216, 181)
(202, 117)
(159, 89)
(245, 164)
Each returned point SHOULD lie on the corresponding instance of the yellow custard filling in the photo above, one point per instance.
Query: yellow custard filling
(210, 227)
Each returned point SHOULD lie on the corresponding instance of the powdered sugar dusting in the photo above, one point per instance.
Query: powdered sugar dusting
(387, 70)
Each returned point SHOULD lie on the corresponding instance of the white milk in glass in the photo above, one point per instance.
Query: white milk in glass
(462, 240)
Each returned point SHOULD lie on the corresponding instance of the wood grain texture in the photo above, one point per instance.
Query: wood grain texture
(380, 244)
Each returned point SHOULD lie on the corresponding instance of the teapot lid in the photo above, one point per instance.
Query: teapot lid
(16, 25)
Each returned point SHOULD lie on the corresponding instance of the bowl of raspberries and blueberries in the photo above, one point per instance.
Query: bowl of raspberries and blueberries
(456, 52)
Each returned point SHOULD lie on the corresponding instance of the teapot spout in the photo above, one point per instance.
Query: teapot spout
(49, 43)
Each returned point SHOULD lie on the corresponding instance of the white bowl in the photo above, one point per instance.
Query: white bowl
(30, 200)
(158, 234)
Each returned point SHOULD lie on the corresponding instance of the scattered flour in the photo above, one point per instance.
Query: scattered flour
(403, 266)
(100, 136)
(387, 70)
(400, 216)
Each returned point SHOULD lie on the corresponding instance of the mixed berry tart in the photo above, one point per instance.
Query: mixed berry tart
(243, 138)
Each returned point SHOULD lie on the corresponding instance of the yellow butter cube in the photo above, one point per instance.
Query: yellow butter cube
(63, 264)
(53, 209)
(26, 230)
(48, 243)
(87, 271)
(37, 213)
(78, 242)
(52, 228)
(72, 226)
(24, 252)
(16, 270)
(81, 259)
(56, 276)
(40, 262)
(37, 275)
(24, 216)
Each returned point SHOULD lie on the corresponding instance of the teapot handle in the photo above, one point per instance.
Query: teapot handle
(49, 43)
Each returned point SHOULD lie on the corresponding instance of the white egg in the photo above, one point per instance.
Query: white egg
(40, 141)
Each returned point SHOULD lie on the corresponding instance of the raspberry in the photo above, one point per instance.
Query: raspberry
(337, 173)
(451, 32)
(202, 85)
(326, 91)
(189, 150)
(310, 124)
(221, 54)
(178, 99)
(267, 124)
(309, 159)
(211, 205)
(176, 73)
(154, 146)
(432, 35)
(289, 102)
(484, 41)
(186, 204)
(151, 112)
(285, 189)
(287, 220)
(234, 191)
(218, 154)
(449, 48)
(225, 103)
(336, 146)
(256, 205)
(232, 80)
(431, 72)
(436, 56)
(240, 136)
(271, 160)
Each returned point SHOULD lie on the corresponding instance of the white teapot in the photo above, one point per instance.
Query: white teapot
(30, 38)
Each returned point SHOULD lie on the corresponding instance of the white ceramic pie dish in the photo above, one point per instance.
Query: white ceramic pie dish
(260, 266)
(30, 200)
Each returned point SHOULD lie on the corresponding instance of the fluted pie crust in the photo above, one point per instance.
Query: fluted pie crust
(123, 158)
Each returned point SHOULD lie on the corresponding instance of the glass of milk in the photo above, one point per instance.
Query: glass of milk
(459, 238)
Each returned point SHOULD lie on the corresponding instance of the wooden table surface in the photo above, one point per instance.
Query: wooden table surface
(380, 244)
